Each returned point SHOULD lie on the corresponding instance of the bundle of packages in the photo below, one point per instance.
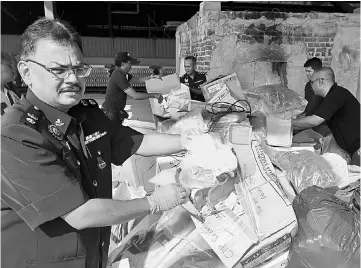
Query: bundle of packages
(304, 168)
(329, 231)
(175, 104)
(275, 99)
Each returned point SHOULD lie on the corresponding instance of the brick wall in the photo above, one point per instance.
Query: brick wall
(317, 32)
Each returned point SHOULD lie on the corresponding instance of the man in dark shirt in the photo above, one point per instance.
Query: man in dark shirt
(313, 100)
(339, 108)
(193, 79)
(119, 88)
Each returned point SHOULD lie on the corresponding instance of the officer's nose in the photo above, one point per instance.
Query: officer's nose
(71, 77)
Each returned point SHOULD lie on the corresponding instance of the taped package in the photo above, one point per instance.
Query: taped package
(211, 88)
(175, 104)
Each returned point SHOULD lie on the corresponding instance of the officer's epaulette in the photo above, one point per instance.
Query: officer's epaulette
(88, 103)
(31, 117)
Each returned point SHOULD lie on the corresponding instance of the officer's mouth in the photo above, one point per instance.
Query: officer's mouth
(72, 91)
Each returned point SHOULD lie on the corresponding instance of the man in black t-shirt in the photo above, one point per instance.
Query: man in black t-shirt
(339, 108)
(314, 101)
(119, 88)
(193, 79)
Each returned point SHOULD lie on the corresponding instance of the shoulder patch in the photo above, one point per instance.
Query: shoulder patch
(31, 117)
(88, 102)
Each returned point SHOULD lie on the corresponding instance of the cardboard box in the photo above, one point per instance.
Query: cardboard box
(211, 88)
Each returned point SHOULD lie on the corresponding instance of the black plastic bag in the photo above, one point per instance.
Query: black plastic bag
(328, 231)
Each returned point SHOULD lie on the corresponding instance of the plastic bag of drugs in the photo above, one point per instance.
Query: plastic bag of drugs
(277, 100)
(328, 231)
(304, 168)
(192, 120)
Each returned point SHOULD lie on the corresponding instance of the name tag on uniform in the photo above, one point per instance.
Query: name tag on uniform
(94, 136)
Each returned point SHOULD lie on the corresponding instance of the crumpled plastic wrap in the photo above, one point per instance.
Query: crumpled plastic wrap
(304, 168)
(207, 158)
(170, 241)
(328, 232)
(192, 120)
(329, 145)
(275, 99)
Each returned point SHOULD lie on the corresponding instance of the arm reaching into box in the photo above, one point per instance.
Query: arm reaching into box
(143, 95)
(307, 122)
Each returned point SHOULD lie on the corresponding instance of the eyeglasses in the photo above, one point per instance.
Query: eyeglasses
(316, 80)
(64, 72)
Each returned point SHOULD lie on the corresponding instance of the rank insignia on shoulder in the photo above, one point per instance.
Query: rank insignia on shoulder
(31, 116)
(92, 102)
(84, 102)
(56, 132)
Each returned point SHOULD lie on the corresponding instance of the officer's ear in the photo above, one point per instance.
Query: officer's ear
(25, 72)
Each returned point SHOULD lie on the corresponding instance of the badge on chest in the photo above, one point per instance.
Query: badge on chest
(94, 136)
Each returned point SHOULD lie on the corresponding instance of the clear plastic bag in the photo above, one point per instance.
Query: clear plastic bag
(277, 100)
(304, 168)
(328, 231)
(329, 145)
(170, 239)
(192, 120)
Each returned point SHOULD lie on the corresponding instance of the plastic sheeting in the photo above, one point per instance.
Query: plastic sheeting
(328, 232)
(275, 99)
(304, 168)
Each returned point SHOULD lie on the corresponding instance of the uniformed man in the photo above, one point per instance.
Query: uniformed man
(193, 79)
(119, 88)
(339, 109)
(57, 151)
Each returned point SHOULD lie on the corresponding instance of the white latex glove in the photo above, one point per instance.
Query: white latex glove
(167, 197)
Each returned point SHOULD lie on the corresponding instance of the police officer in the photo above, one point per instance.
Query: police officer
(119, 88)
(193, 79)
(57, 151)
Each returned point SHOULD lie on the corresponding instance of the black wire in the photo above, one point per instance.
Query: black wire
(217, 113)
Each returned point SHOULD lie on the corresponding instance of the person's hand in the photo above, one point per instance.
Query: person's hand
(167, 197)
(159, 97)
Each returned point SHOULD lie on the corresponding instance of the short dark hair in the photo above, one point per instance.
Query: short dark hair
(194, 59)
(314, 63)
(55, 30)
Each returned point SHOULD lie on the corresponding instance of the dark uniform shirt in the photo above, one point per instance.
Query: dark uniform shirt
(46, 172)
(314, 102)
(194, 84)
(115, 97)
(341, 110)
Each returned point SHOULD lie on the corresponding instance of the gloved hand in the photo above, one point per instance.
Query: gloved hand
(167, 197)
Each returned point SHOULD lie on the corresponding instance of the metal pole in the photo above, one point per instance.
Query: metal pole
(49, 9)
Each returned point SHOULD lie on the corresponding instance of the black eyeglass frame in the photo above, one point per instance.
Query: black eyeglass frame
(67, 70)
